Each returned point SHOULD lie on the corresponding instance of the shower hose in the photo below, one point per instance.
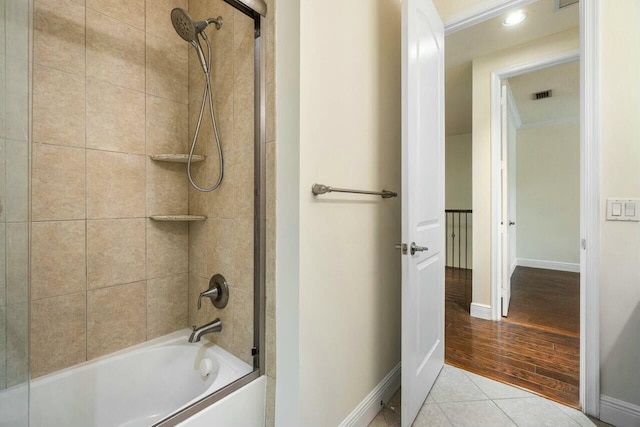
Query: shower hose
(207, 95)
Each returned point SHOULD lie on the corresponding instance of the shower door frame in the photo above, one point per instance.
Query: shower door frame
(259, 227)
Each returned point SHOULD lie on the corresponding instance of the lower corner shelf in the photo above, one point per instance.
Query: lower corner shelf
(178, 218)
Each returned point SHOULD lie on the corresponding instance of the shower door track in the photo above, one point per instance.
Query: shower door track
(259, 222)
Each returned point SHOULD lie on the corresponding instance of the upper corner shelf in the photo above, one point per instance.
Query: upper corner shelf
(177, 158)
(179, 218)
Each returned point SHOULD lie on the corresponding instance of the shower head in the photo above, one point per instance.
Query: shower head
(188, 29)
(184, 25)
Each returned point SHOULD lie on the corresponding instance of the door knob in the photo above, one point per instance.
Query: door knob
(415, 248)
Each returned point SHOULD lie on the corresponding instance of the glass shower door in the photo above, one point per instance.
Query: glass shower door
(15, 24)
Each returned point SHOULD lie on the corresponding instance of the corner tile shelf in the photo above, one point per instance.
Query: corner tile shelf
(177, 158)
(178, 218)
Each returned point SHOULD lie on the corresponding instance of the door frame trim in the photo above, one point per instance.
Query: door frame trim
(497, 76)
(589, 188)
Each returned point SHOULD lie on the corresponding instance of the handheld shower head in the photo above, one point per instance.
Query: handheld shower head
(188, 29)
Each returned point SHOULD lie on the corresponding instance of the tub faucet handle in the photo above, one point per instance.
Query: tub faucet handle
(218, 292)
(209, 293)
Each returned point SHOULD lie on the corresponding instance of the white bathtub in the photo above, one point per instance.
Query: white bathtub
(135, 387)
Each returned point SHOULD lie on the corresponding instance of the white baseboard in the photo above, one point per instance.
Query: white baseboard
(367, 410)
(549, 265)
(481, 311)
(618, 412)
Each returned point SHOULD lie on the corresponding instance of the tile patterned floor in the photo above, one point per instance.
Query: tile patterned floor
(461, 398)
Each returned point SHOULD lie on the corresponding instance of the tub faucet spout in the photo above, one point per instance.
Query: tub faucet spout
(215, 326)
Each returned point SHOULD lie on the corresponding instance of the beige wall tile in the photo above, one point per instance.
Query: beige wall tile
(243, 114)
(167, 69)
(128, 11)
(3, 348)
(58, 183)
(167, 126)
(206, 141)
(271, 112)
(115, 252)
(58, 333)
(17, 262)
(116, 318)
(271, 180)
(17, 344)
(114, 118)
(270, 347)
(220, 203)
(58, 258)
(198, 248)
(270, 38)
(115, 51)
(167, 248)
(167, 188)
(243, 253)
(3, 265)
(271, 288)
(58, 107)
(3, 179)
(158, 15)
(59, 35)
(242, 45)
(17, 181)
(243, 200)
(242, 342)
(198, 201)
(243, 307)
(271, 236)
(115, 185)
(221, 238)
(3, 89)
(167, 305)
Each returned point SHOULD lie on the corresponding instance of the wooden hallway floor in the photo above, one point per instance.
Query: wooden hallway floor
(539, 354)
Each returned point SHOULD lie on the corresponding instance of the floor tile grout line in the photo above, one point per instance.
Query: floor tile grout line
(503, 411)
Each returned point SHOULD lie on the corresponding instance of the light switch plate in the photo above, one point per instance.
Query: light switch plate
(623, 210)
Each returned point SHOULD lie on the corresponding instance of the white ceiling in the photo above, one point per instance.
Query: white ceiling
(564, 104)
(488, 37)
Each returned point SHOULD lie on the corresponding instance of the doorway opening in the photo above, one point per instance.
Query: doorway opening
(513, 201)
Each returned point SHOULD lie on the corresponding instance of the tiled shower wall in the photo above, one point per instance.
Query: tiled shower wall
(110, 89)
(14, 192)
(224, 242)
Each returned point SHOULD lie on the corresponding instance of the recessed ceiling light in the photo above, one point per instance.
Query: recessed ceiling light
(514, 18)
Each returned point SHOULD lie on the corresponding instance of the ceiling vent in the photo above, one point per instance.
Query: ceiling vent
(561, 4)
(542, 95)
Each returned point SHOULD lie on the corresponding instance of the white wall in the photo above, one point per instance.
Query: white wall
(548, 193)
(455, 10)
(287, 210)
(458, 171)
(348, 284)
(620, 177)
(458, 196)
(482, 68)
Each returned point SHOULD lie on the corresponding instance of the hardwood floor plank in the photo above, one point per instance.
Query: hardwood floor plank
(537, 355)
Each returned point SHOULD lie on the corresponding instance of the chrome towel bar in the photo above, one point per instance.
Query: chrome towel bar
(318, 189)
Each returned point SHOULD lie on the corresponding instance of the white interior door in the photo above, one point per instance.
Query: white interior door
(422, 203)
(508, 186)
(504, 192)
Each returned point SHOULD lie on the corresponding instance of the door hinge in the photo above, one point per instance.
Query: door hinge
(584, 244)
